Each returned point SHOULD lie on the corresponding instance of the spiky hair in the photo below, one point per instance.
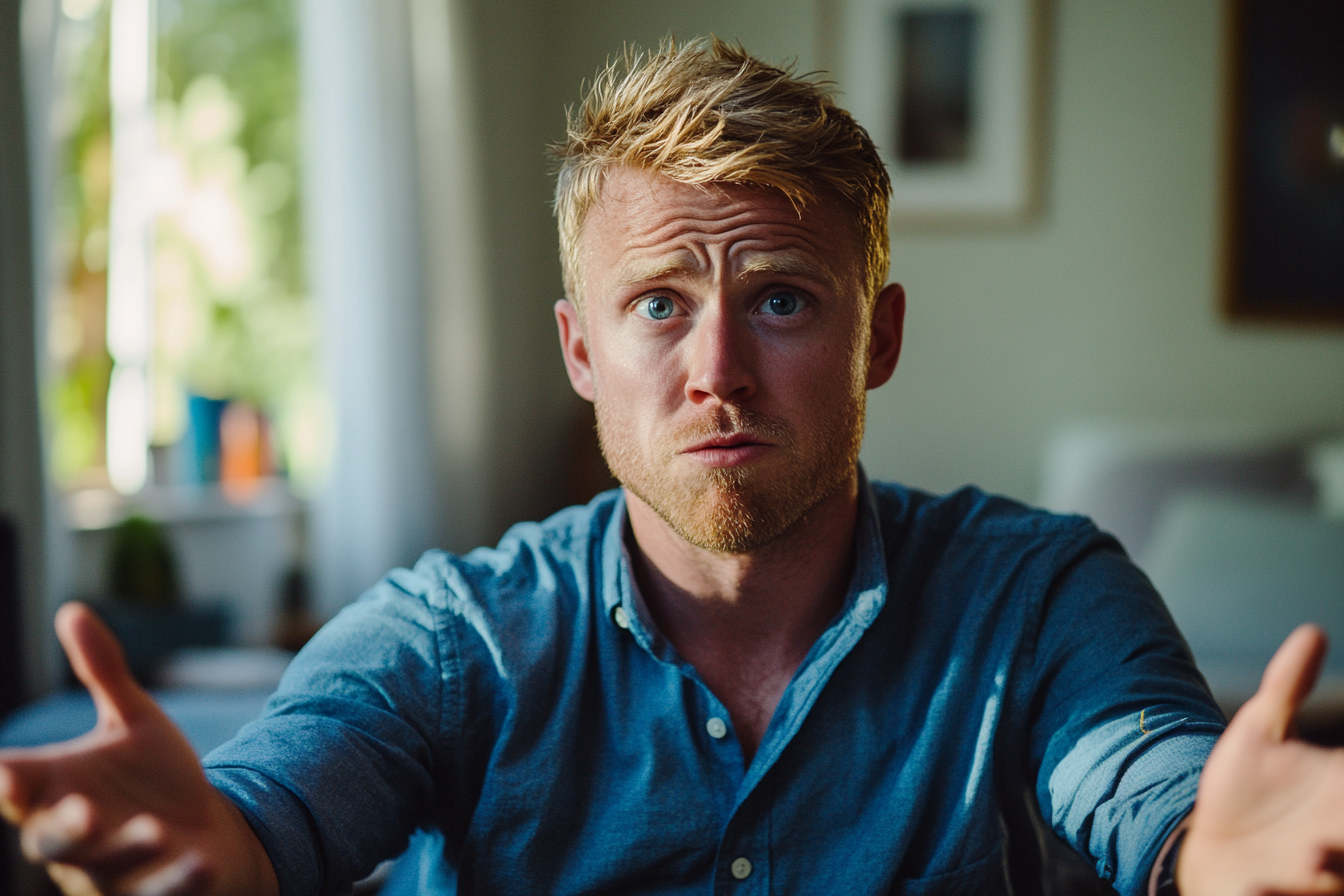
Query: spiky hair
(707, 112)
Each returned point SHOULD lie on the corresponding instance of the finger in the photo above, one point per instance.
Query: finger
(131, 846)
(61, 833)
(72, 881)
(1287, 681)
(182, 877)
(98, 662)
(20, 783)
(1321, 884)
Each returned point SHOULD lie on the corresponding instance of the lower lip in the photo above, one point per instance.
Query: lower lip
(729, 456)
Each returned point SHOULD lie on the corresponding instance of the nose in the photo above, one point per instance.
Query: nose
(721, 362)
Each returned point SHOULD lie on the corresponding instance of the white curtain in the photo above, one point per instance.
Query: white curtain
(392, 268)
(376, 508)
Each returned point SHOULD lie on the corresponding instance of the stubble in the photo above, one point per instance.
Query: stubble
(736, 509)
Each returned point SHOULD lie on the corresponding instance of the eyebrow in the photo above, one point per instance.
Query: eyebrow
(789, 264)
(786, 263)
(642, 273)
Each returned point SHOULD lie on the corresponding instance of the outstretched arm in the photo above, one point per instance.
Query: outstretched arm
(1269, 817)
(126, 808)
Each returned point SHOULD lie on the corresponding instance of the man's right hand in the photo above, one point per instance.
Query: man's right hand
(126, 808)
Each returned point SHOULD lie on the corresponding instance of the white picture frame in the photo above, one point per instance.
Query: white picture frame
(996, 183)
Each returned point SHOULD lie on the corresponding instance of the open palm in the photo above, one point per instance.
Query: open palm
(1269, 817)
(125, 807)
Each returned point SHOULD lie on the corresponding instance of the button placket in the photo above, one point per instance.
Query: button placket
(743, 858)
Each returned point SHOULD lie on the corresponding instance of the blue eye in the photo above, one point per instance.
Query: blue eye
(783, 303)
(656, 308)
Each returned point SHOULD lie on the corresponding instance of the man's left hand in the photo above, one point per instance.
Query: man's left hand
(1269, 817)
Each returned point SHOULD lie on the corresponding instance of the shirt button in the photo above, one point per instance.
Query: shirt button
(741, 869)
(718, 729)
(621, 617)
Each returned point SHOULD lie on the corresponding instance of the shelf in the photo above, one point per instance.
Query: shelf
(94, 509)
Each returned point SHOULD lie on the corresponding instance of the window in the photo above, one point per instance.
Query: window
(182, 336)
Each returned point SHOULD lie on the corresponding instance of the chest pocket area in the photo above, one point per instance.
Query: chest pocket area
(984, 877)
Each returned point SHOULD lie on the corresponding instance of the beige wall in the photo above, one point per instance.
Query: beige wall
(1104, 307)
(1107, 307)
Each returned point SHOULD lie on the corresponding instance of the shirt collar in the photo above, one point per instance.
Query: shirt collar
(868, 587)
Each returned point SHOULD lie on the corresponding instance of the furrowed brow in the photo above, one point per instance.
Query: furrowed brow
(637, 272)
(787, 264)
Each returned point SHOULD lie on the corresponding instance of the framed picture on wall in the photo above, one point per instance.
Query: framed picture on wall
(948, 90)
(1284, 240)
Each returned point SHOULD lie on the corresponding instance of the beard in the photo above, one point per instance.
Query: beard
(736, 509)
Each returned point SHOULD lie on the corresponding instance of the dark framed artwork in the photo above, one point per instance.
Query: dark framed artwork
(1284, 242)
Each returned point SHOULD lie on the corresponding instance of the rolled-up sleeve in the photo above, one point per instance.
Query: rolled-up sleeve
(1122, 722)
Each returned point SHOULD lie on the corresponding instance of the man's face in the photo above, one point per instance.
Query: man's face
(725, 343)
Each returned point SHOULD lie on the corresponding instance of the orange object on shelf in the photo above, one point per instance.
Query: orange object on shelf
(243, 451)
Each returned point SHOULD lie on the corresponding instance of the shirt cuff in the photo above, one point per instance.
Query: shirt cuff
(1162, 879)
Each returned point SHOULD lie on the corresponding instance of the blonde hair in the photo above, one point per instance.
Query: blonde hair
(709, 112)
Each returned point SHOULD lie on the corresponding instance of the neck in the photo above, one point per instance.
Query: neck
(806, 565)
(745, 621)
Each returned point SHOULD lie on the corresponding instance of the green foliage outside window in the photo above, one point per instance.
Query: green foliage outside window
(233, 320)
(78, 310)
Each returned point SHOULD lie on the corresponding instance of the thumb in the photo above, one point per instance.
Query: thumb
(98, 662)
(18, 782)
(1287, 681)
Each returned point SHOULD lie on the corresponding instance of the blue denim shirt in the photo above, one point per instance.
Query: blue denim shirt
(521, 700)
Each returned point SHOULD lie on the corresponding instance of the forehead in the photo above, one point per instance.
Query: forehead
(643, 222)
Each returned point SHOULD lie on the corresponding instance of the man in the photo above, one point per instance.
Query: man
(749, 671)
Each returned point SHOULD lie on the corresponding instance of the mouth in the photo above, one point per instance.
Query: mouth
(728, 449)
(725, 440)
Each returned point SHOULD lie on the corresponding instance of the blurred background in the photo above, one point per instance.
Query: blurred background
(276, 281)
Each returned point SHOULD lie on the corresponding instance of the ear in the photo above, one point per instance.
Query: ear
(574, 347)
(884, 343)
